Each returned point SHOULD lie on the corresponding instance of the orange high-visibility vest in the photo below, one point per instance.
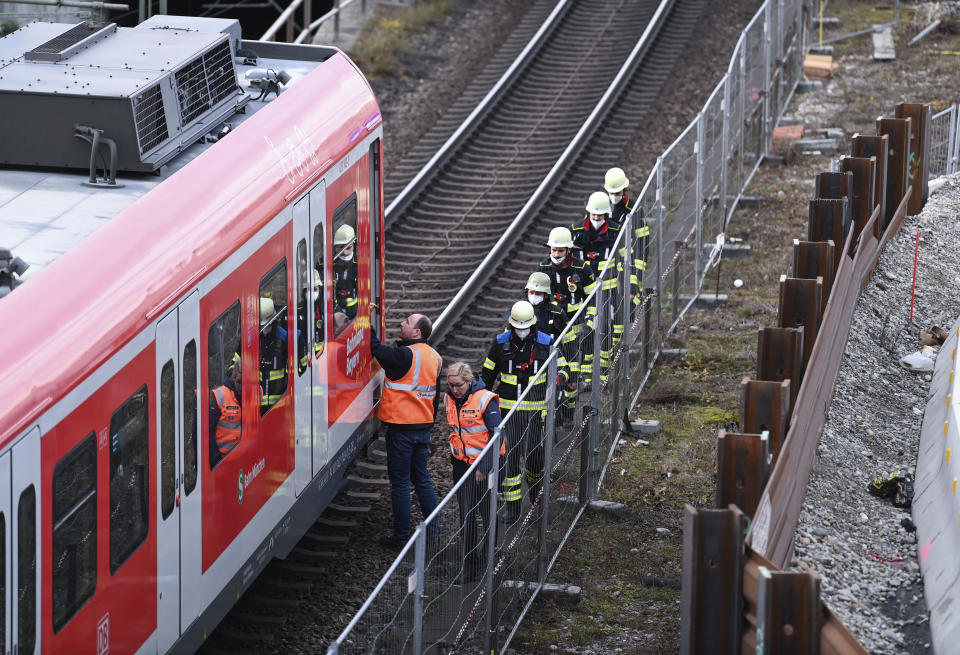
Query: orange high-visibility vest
(470, 433)
(227, 435)
(409, 400)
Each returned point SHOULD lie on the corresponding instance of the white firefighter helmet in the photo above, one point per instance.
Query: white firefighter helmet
(560, 237)
(317, 280)
(599, 203)
(538, 282)
(266, 310)
(615, 180)
(344, 236)
(521, 315)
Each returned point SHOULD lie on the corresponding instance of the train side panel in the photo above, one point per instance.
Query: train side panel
(98, 519)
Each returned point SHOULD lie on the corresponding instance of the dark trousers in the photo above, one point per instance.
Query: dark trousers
(524, 435)
(407, 455)
(473, 499)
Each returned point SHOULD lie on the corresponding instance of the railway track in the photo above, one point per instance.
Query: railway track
(435, 242)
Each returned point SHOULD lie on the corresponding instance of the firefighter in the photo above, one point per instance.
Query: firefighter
(345, 271)
(311, 319)
(273, 355)
(516, 360)
(552, 320)
(618, 189)
(595, 244)
(571, 281)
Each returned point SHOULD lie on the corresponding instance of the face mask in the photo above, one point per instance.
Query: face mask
(347, 255)
(534, 299)
(615, 198)
(521, 334)
(557, 260)
(314, 297)
(597, 224)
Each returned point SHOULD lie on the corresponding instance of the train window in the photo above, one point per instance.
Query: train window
(168, 436)
(320, 303)
(74, 530)
(190, 417)
(129, 478)
(27, 570)
(346, 289)
(303, 298)
(273, 336)
(223, 367)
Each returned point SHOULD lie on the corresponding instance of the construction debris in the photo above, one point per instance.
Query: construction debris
(819, 67)
(883, 49)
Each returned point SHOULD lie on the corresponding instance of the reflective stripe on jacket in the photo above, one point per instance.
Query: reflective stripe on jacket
(227, 435)
(409, 400)
(470, 433)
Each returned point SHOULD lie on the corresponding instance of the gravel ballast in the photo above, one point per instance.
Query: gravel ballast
(866, 557)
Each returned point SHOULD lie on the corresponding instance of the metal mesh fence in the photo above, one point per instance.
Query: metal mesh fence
(464, 583)
(943, 143)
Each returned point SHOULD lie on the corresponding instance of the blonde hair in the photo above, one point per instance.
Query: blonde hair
(460, 370)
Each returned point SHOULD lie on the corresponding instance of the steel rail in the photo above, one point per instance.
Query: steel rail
(485, 269)
(472, 122)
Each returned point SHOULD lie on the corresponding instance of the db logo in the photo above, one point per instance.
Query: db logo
(103, 635)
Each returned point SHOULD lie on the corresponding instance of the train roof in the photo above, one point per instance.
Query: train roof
(106, 262)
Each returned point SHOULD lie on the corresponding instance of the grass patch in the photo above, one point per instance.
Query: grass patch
(387, 34)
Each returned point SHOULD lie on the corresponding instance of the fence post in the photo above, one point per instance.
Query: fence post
(548, 438)
(600, 332)
(627, 282)
(725, 152)
(490, 637)
(336, 19)
(743, 115)
(420, 572)
(660, 217)
(954, 140)
(675, 305)
(767, 66)
(698, 256)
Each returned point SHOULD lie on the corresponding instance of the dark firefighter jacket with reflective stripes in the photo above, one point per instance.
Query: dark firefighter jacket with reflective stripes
(519, 365)
(570, 283)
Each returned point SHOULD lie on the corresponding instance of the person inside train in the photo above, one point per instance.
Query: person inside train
(306, 317)
(345, 271)
(273, 355)
(225, 419)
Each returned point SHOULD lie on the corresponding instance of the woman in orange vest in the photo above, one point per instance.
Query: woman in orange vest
(225, 421)
(473, 413)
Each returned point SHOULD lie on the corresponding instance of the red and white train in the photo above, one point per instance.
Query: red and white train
(118, 534)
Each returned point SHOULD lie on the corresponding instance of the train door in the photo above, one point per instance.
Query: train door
(319, 250)
(178, 508)
(20, 507)
(311, 406)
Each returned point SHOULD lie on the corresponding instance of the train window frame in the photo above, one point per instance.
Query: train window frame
(168, 438)
(27, 570)
(303, 294)
(191, 408)
(217, 367)
(345, 212)
(319, 257)
(274, 281)
(81, 504)
(123, 546)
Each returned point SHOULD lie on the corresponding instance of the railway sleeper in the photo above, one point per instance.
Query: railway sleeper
(357, 479)
(315, 554)
(326, 538)
(336, 523)
(371, 466)
(363, 495)
(347, 509)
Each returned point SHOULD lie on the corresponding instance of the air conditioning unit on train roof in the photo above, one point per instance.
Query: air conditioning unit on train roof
(153, 90)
